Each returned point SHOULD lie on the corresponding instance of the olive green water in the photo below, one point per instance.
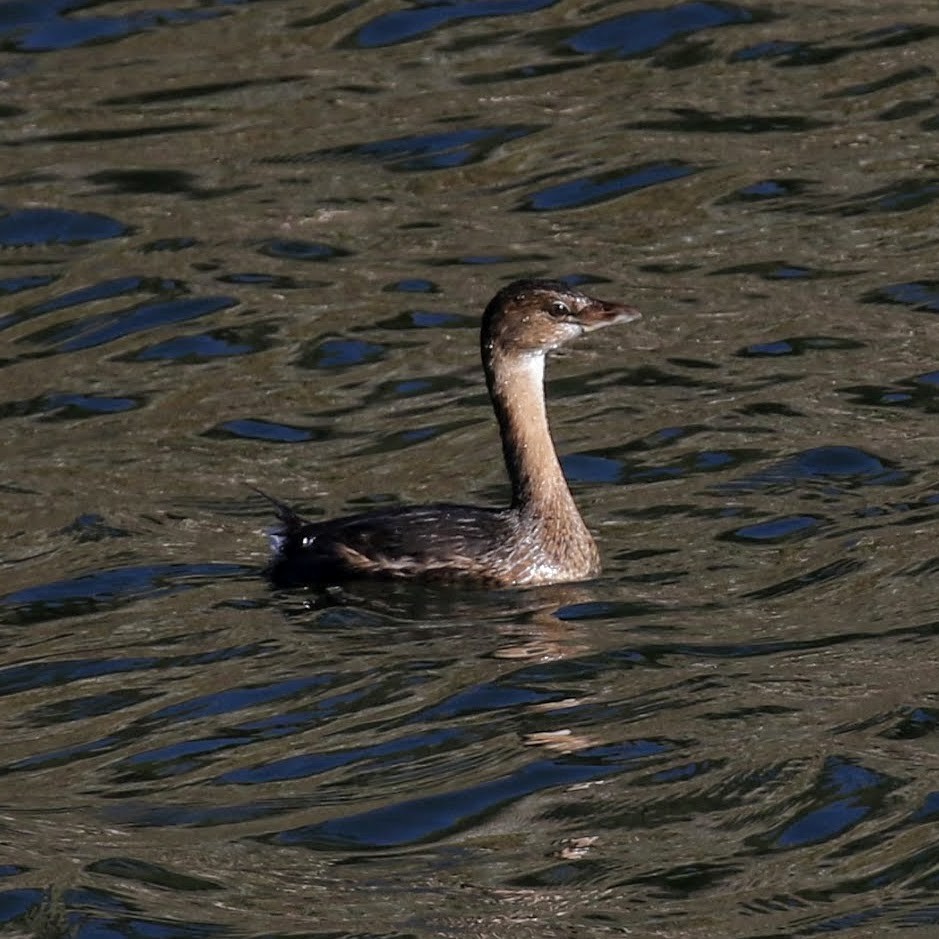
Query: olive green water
(248, 243)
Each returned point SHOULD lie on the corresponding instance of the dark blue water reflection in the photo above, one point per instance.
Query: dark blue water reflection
(435, 151)
(268, 431)
(69, 406)
(30, 227)
(920, 295)
(592, 189)
(340, 353)
(107, 589)
(788, 528)
(107, 327)
(407, 25)
(646, 30)
(11, 285)
(101, 291)
(848, 794)
(414, 821)
(203, 347)
(301, 250)
(846, 465)
(14, 903)
(799, 345)
(45, 25)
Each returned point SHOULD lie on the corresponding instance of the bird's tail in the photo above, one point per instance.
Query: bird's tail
(288, 517)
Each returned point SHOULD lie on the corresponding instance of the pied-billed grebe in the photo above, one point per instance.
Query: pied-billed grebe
(540, 538)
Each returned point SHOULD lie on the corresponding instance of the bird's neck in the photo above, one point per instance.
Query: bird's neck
(540, 493)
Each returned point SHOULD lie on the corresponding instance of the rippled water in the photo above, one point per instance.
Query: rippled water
(248, 242)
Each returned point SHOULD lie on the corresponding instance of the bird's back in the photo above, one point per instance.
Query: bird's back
(437, 542)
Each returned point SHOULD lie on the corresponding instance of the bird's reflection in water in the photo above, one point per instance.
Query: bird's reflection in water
(525, 626)
(528, 623)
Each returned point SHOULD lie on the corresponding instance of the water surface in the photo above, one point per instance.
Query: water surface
(248, 243)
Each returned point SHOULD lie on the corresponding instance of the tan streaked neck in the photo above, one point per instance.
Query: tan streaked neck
(539, 489)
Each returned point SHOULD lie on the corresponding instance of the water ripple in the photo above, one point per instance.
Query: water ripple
(409, 25)
(413, 821)
(248, 339)
(846, 465)
(108, 589)
(647, 30)
(920, 295)
(32, 227)
(252, 242)
(249, 428)
(42, 27)
(845, 795)
(589, 190)
(690, 120)
(105, 328)
(421, 152)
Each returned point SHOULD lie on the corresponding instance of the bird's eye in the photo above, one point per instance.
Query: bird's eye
(559, 308)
